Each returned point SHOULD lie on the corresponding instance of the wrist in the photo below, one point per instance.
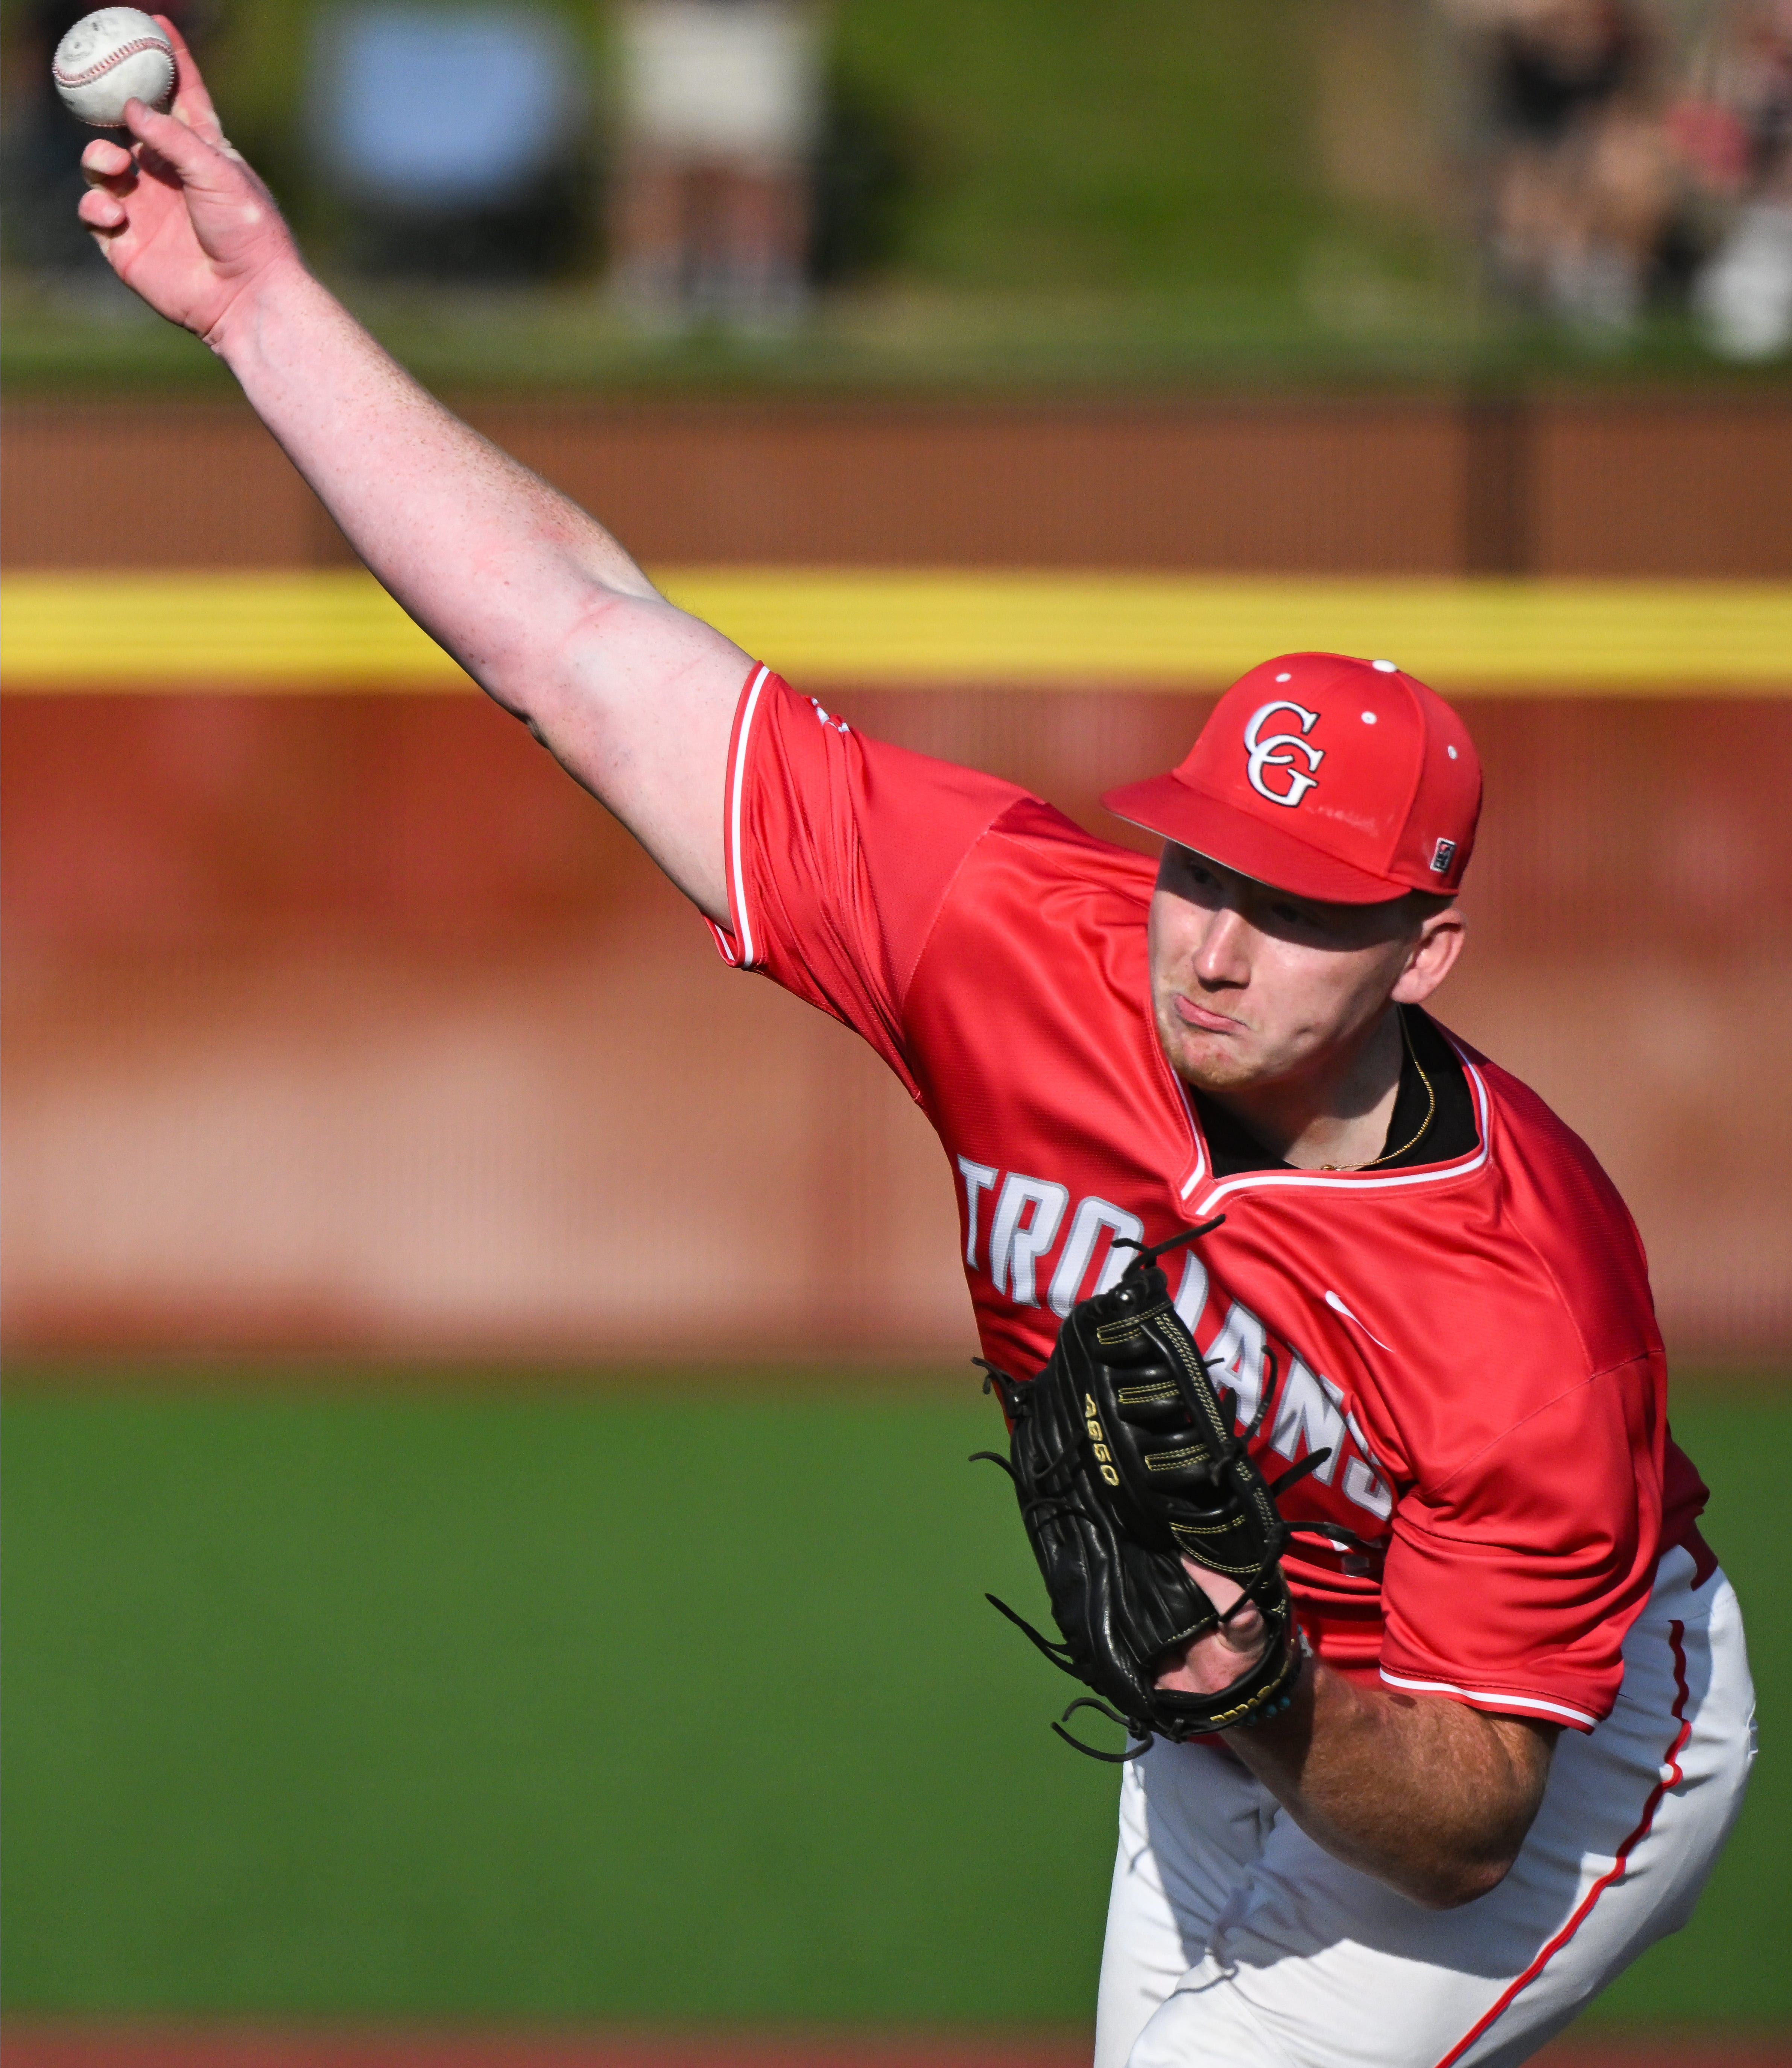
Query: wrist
(276, 290)
(1283, 1698)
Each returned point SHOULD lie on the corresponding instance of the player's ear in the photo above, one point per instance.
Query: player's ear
(1435, 945)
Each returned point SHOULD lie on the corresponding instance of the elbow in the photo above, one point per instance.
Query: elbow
(1486, 1847)
(1453, 1886)
(1467, 1870)
(536, 665)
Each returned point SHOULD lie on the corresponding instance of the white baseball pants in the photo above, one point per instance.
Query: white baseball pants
(1234, 1941)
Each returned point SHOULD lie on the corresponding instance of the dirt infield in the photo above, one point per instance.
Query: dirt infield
(76, 2047)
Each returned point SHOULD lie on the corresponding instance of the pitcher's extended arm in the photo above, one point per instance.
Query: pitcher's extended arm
(535, 599)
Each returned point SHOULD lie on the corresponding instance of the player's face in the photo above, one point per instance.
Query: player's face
(1255, 986)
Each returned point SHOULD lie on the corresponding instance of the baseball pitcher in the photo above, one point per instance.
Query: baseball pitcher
(1335, 1400)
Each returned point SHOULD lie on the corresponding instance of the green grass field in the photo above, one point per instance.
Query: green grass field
(668, 1700)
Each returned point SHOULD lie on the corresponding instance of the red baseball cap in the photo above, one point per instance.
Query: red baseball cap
(1341, 779)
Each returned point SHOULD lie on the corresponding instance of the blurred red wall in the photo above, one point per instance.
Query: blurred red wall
(350, 1023)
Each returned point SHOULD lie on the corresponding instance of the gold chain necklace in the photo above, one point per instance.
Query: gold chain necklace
(1388, 1155)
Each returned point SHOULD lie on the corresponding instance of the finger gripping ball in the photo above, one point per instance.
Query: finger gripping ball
(117, 55)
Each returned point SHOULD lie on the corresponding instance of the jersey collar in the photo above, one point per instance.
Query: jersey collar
(1200, 1193)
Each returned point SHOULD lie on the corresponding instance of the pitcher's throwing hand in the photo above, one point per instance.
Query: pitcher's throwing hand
(178, 212)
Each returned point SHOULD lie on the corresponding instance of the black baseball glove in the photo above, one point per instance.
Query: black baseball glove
(1125, 1460)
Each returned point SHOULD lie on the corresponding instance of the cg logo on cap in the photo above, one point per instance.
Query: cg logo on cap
(1278, 751)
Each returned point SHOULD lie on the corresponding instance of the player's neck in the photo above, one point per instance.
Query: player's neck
(1335, 1115)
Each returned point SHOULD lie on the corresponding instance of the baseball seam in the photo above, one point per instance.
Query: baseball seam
(101, 66)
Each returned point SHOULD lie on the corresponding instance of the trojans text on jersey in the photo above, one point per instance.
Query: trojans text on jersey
(1014, 1222)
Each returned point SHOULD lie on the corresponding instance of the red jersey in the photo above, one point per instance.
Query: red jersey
(1473, 1339)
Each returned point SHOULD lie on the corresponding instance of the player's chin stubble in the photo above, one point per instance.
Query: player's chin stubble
(1207, 1061)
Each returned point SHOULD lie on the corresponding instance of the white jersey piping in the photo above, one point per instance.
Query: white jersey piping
(737, 864)
(1199, 1140)
(1352, 1181)
(1496, 1699)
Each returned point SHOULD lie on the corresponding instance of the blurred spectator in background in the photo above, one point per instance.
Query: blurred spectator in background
(1582, 179)
(1734, 126)
(720, 105)
(452, 139)
(42, 183)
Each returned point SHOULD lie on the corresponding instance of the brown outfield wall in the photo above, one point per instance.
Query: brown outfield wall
(1692, 486)
(350, 1023)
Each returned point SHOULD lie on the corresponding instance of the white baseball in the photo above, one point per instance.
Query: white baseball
(107, 58)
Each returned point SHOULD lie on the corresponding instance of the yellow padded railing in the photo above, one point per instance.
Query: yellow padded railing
(338, 631)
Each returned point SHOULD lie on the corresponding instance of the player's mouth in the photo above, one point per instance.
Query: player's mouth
(1192, 1013)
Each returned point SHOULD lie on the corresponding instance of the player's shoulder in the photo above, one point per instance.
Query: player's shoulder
(1527, 1129)
(1040, 910)
(1557, 1200)
(1035, 842)
(924, 800)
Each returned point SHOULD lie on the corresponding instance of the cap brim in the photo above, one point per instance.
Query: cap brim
(1175, 810)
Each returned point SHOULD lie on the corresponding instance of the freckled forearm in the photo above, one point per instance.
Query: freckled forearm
(1428, 1796)
(480, 550)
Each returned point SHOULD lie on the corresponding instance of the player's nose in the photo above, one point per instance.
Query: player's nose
(1222, 953)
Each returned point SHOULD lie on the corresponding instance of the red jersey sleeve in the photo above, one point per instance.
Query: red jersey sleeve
(840, 851)
(1512, 1583)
